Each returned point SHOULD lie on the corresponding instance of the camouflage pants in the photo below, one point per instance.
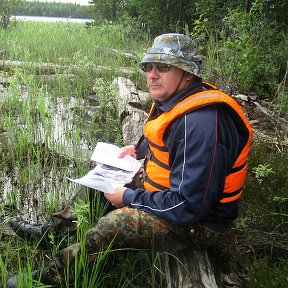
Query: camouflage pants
(121, 228)
(127, 228)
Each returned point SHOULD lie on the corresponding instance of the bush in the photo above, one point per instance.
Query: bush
(244, 57)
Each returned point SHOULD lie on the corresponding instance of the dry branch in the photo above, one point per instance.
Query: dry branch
(268, 114)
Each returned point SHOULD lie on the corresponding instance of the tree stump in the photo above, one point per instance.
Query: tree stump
(130, 110)
(189, 268)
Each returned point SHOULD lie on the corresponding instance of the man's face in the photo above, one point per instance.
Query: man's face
(163, 83)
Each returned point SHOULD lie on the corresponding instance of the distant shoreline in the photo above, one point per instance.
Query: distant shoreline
(51, 19)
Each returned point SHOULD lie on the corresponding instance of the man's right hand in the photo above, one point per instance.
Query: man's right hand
(128, 150)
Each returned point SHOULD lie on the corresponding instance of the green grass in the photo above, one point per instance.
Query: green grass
(272, 210)
(264, 274)
(64, 42)
(49, 131)
(49, 128)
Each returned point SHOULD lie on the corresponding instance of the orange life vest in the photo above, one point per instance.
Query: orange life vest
(157, 169)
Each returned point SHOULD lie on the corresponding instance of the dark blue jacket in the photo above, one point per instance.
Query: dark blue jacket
(213, 142)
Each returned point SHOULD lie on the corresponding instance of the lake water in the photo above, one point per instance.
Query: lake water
(51, 19)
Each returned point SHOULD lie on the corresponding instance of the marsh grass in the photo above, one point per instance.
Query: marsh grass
(49, 130)
(65, 42)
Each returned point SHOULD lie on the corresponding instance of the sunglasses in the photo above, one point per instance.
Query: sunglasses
(161, 67)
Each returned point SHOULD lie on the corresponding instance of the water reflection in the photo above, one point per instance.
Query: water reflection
(51, 19)
(43, 183)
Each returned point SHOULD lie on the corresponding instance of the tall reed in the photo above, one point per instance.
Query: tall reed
(52, 124)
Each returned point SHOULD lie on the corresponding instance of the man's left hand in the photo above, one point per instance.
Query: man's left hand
(116, 198)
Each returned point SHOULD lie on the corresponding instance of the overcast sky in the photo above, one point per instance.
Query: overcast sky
(82, 2)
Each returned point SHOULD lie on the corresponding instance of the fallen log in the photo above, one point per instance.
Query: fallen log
(114, 52)
(189, 268)
(267, 113)
(272, 117)
(48, 79)
(52, 67)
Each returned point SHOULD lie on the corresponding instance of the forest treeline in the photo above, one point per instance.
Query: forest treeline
(244, 46)
(244, 42)
(161, 16)
(52, 9)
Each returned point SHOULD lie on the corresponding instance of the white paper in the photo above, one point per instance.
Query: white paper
(108, 154)
(109, 174)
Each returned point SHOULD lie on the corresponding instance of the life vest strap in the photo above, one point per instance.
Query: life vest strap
(151, 157)
(236, 169)
(230, 195)
(152, 183)
(160, 148)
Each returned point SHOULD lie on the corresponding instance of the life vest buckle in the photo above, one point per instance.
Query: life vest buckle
(149, 155)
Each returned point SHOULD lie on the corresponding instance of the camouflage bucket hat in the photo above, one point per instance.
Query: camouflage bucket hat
(174, 49)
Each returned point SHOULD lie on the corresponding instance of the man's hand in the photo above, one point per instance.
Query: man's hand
(128, 150)
(116, 197)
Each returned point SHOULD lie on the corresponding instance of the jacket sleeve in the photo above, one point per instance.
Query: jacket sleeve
(198, 164)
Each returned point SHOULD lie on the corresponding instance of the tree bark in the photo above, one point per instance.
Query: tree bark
(191, 268)
(130, 110)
